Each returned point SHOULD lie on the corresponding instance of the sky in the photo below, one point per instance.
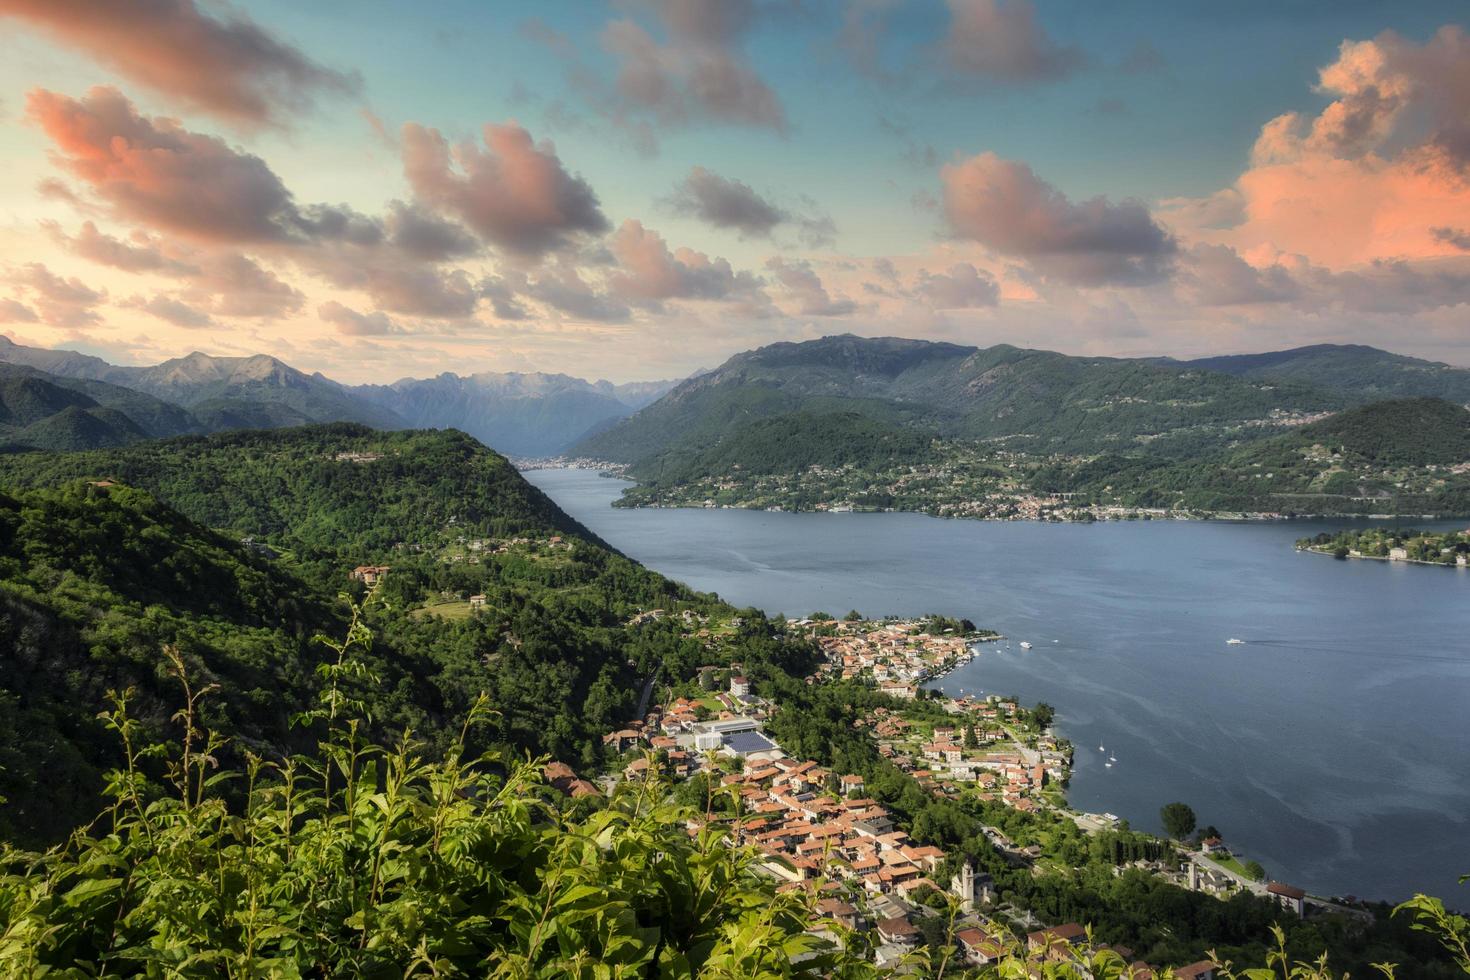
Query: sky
(637, 189)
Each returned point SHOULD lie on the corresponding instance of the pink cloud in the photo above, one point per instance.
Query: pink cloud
(229, 67)
(1005, 206)
(650, 273)
(514, 193)
(156, 172)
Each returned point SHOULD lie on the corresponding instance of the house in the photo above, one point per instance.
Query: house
(837, 909)
(1290, 898)
(979, 947)
(739, 686)
(1203, 970)
(852, 785)
(1056, 940)
(898, 931)
(477, 602)
(622, 741)
(1398, 554)
(369, 574)
(1213, 845)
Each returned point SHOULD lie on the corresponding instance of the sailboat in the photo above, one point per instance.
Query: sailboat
(1025, 645)
(1112, 759)
(1108, 765)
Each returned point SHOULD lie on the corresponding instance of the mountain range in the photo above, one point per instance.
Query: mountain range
(1032, 401)
(522, 414)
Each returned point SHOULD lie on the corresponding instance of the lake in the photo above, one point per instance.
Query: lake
(1333, 747)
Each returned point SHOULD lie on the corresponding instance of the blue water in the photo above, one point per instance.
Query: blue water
(1334, 747)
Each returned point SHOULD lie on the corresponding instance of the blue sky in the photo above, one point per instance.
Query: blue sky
(1047, 174)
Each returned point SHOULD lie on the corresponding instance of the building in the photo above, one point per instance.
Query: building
(477, 602)
(369, 575)
(980, 948)
(973, 890)
(1203, 970)
(1398, 554)
(1290, 898)
(898, 931)
(1056, 942)
(739, 686)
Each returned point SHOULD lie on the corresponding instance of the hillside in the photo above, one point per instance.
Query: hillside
(96, 579)
(520, 414)
(44, 411)
(1366, 373)
(1407, 456)
(1034, 401)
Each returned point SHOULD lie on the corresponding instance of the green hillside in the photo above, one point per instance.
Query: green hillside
(1364, 373)
(1034, 401)
(42, 411)
(1395, 457)
(97, 579)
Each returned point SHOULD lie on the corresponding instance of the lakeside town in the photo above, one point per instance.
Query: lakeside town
(818, 828)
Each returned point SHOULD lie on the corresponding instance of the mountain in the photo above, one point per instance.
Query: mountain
(1034, 401)
(520, 414)
(1404, 456)
(43, 411)
(256, 390)
(1362, 372)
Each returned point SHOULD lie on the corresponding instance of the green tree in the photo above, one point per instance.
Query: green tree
(1178, 820)
(1254, 871)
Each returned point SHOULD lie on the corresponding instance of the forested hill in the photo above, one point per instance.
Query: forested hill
(329, 493)
(1035, 401)
(1354, 369)
(121, 553)
(44, 411)
(1404, 456)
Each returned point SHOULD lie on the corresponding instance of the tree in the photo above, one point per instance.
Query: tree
(853, 616)
(1178, 820)
(1043, 714)
(1254, 871)
(971, 742)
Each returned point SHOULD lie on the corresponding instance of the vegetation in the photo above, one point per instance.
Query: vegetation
(1431, 547)
(1178, 820)
(95, 580)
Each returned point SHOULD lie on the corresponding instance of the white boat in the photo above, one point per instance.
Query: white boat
(1025, 645)
(1235, 641)
(1112, 759)
(1101, 749)
(1108, 765)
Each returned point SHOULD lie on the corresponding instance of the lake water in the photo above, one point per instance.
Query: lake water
(1334, 747)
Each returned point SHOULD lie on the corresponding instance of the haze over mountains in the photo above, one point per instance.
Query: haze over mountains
(1032, 401)
(97, 404)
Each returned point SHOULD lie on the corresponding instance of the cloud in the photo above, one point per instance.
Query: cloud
(563, 288)
(229, 67)
(732, 204)
(354, 324)
(699, 74)
(426, 237)
(650, 273)
(156, 172)
(1003, 205)
(171, 310)
(962, 287)
(1215, 275)
(142, 254)
(804, 288)
(14, 311)
(1374, 176)
(1000, 41)
(514, 193)
(1456, 237)
(57, 300)
(234, 284)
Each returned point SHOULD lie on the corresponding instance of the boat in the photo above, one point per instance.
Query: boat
(1235, 641)
(1108, 765)
(1101, 749)
(1025, 645)
(1112, 759)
